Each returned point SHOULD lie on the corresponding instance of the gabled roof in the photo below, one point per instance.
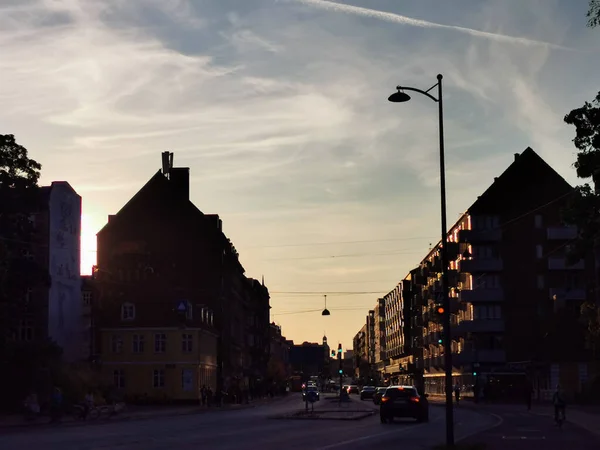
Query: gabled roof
(155, 185)
(528, 168)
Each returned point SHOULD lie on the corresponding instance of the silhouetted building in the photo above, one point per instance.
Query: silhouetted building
(174, 309)
(309, 359)
(52, 308)
(515, 300)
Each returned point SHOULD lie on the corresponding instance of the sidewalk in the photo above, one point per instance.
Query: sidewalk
(586, 417)
(131, 413)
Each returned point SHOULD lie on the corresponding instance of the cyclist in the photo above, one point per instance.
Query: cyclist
(558, 399)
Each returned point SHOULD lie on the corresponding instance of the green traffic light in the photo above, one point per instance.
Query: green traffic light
(341, 371)
(474, 374)
(439, 341)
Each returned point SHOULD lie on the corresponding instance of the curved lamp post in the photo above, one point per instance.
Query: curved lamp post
(325, 310)
(401, 97)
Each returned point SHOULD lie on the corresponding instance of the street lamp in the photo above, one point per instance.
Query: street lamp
(325, 310)
(401, 97)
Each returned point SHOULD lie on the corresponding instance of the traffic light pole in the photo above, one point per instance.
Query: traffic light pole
(340, 370)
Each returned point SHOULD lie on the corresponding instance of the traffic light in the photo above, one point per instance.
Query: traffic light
(439, 309)
(332, 352)
(339, 348)
(441, 337)
(474, 373)
(340, 371)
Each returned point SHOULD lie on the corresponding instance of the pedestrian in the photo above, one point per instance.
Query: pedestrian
(56, 404)
(528, 394)
(560, 404)
(457, 393)
(203, 395)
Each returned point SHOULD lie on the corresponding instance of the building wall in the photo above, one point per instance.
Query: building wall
(64, 297)
(138, 367)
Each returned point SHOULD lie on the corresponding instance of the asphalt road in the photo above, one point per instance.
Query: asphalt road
(527, 431)
(247, 429)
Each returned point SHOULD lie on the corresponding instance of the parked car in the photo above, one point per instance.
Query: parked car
(378, 394)
(367, 392)
(403, 401)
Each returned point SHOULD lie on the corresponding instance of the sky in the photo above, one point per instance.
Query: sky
(279, 108)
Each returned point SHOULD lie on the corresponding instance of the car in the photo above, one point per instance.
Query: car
(367, 392)
(352, 389)
(378, 394)
(310, 390)
(403, 401)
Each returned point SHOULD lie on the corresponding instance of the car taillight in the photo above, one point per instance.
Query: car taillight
(384, 399)
(415, 399)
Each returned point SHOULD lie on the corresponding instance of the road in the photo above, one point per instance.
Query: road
(247, 429)
(522, 430)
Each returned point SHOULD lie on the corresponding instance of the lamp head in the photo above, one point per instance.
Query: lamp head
(325, 312)
(399, 97)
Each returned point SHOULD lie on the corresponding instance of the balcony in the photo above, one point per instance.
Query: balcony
(494, 356)
(481, 295)
(479, 326)
(561, 233)
(479, 236)
(560, 263)
(476, 265)
(568, 293)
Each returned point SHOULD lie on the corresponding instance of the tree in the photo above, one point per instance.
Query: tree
(19, 191)
(584, 208)
(594, 14)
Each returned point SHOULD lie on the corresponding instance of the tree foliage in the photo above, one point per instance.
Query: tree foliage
(594, 14)
(584, 208)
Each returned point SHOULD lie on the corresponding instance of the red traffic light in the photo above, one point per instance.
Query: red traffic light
(440, 310)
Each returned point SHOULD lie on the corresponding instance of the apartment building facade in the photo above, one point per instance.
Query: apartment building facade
(174, 310)
(51, 306)
(514, 299)
(362, 368)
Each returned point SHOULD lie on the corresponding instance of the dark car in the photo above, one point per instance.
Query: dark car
(310, 391)
(378, 394)
(367, 392)
(352, 389)
(403, 401)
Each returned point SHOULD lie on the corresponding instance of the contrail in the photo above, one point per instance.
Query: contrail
(397, 18)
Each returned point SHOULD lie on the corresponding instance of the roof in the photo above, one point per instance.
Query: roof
(527, 169)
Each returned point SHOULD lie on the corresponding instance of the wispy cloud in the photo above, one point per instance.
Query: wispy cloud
(404, 20)
(284, 122)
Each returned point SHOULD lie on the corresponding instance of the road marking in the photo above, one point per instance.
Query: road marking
(371, 436)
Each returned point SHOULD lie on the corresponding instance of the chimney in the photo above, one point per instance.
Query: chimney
(516, 156)
(167, 163)
(180, 180)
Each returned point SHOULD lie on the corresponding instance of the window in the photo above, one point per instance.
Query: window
(484, 252)
(189, 311)
(158, 380)
(138, 343)
(160, 343)
(538, 221)
(541, 282)
(187, 341)
(25, 331)
(489, 282)
(539, 251)
(86, 297)
(127, 311)
(116, 343)
(119, 378)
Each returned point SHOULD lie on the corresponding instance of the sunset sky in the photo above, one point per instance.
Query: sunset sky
(279, 108)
